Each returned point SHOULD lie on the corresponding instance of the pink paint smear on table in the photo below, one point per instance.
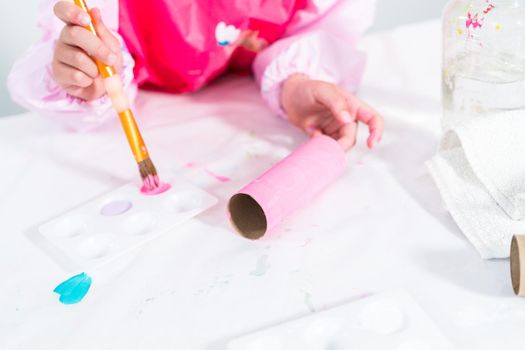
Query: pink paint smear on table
(217, 177)
(220, 178)
(153, 186)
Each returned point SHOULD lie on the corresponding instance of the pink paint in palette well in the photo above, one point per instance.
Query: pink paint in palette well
(153, 186)
(163, 187)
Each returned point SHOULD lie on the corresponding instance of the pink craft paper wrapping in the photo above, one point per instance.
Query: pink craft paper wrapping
(292, 183)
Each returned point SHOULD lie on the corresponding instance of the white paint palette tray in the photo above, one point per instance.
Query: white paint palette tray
(384, 321)
(117, 222)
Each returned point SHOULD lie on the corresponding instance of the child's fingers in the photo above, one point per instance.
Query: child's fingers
(347, 136)
(91, 44)
(68, 76)
(311, 129)
(92, 92)
(108, 37)
(103, 32)
(329, 96)
(76, 58)
(332, 126)
(375, 125)
(370, 117)
(71, 14)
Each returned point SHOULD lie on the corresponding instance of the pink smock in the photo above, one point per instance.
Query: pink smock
(180, 46)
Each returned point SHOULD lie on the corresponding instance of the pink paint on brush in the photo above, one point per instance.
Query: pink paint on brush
(153, 186)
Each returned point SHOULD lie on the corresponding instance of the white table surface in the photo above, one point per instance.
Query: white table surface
(381, 227)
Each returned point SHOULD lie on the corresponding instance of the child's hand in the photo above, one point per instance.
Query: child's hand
(73, 68)
(317, 106)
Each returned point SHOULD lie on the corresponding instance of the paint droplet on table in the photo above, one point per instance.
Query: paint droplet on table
(308, 302)
(498, 27)
(74, 289)
(115, 208)
(306, 242)
(261, 267)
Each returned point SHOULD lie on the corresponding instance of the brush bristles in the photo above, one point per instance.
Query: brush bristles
(148, 173)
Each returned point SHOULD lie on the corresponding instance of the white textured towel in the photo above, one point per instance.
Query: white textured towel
(480, 172)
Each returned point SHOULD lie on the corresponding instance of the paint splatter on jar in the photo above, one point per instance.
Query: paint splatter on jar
(483, 59)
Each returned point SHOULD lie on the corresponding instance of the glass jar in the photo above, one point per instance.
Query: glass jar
(483, 59)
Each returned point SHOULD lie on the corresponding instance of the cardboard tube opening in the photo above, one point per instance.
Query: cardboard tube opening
(247, 216)
(515, 270)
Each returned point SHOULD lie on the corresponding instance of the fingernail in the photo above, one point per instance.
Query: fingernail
(372, 140)
(112, 58)
(85, 19)
(345, 116)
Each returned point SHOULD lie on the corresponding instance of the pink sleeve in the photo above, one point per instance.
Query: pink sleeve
(321, 43)
(31, 83)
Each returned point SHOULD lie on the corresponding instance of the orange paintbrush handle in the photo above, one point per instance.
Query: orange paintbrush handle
(120, 102)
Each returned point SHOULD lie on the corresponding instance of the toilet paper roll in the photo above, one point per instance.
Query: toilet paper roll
(292, 183)
(517, 264)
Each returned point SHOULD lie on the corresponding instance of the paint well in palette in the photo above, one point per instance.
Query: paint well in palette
(70, 226)
(382, 317)
(115, 208)
(140, 223)
(155, 190)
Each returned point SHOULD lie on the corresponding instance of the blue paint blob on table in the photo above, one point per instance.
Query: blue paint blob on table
(73, 290)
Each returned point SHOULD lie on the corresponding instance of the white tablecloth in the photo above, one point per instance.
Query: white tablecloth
(381, 227)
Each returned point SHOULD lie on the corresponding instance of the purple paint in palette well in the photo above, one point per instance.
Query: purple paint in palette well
(117, 207)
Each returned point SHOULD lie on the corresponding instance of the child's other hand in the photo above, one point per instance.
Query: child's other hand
(317, 106)
(73, 68)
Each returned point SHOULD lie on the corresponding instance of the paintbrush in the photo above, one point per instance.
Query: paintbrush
(121, 104)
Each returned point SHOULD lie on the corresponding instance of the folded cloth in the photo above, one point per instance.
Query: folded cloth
(480, 172)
